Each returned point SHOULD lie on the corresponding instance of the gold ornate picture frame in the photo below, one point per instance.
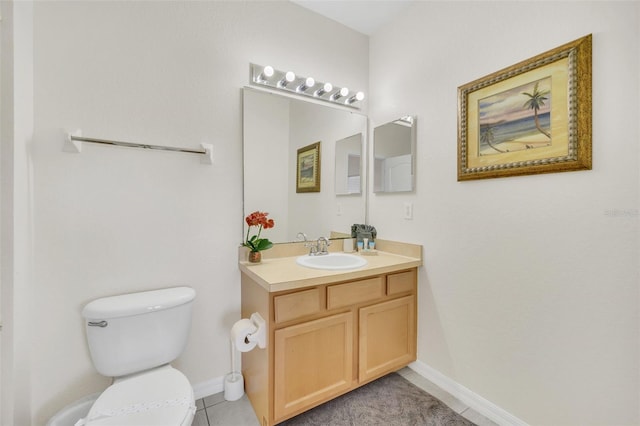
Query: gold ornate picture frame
(533, 117)
(308, 169)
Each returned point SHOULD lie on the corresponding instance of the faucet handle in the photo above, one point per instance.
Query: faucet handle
(323, 244)
(311, 245)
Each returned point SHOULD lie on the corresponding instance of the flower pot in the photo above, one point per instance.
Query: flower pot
(255, 257)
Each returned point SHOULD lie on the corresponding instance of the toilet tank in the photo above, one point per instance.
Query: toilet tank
(138, 331)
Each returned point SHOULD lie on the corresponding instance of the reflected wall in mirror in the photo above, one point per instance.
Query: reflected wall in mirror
(394, 145)
(274, 128)
(349, 165)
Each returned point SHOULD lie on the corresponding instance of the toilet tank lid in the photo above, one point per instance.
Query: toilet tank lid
(138, 303)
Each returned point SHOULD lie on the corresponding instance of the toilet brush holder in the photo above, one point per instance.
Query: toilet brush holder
(233, 382)
(233, 386)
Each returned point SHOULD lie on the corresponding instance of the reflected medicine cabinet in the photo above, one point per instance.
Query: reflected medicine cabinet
(394, 149)
(348, 166)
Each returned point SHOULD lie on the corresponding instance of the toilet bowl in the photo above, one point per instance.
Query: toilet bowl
(162, 396)
(134, 338)
(70, 414)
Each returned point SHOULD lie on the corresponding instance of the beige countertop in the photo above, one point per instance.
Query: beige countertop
(283, 273)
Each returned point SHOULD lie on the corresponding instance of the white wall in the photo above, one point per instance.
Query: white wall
(16, 110)
(112, 220)
(265, 143)
(529, 294)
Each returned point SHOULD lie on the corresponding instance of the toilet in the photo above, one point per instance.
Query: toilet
(133, 338)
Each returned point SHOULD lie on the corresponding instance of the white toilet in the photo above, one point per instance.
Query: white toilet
(133, 338)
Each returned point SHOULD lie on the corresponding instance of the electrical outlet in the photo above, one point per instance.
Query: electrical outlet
(408, 211)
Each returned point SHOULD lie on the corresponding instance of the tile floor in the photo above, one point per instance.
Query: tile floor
(215, 411)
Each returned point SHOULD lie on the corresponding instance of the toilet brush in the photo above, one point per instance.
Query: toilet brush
(233, 382)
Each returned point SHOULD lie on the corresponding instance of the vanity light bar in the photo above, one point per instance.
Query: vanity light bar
(289, 82)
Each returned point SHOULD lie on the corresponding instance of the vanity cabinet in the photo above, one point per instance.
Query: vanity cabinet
(327, 339)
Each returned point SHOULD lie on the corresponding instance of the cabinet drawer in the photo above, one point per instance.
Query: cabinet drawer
(401, 283)
(355, 292)
(296, 305)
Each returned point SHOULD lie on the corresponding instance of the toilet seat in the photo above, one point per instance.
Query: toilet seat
(162, 397)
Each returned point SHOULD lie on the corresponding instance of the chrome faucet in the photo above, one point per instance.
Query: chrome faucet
(312, 246)
(323, 245)
(319, 247)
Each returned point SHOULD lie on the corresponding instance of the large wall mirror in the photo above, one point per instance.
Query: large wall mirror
(394, 145)
(275, 127)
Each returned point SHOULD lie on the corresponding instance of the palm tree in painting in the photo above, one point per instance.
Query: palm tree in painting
(535, 102)
(486, 136)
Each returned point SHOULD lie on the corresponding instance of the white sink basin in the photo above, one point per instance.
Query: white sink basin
(332, 261)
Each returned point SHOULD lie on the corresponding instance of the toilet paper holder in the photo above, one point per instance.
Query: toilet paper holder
(260, 335)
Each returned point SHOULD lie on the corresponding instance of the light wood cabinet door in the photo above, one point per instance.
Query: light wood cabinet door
(313, 362)
(387, 339)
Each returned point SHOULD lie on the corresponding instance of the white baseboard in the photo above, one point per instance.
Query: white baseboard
(210, 387)
(473, 400)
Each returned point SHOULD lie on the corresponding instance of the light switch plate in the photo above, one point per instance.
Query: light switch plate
(408, 211)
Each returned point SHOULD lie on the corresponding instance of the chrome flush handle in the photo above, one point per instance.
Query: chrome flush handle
(102, 323)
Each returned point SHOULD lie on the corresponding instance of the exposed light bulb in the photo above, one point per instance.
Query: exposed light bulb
(326, 88)
(339, 94)
(356, 98)
(308, 83)
(266, 73)
(288, 78)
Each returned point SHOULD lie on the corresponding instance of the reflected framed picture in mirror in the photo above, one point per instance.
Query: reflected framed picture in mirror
(308, 168)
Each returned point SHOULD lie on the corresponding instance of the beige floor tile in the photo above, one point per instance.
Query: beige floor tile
(232, 413)
(214, 399)
(199, 404)
(200, 419)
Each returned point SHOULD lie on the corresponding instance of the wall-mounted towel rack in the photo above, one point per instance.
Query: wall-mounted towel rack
(74, 141)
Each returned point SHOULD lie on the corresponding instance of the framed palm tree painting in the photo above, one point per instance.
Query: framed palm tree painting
(533, 117)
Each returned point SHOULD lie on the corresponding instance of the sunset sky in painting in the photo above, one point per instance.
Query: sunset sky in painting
(509, 105)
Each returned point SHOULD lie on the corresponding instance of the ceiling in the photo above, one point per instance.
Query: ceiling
(364, 16)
